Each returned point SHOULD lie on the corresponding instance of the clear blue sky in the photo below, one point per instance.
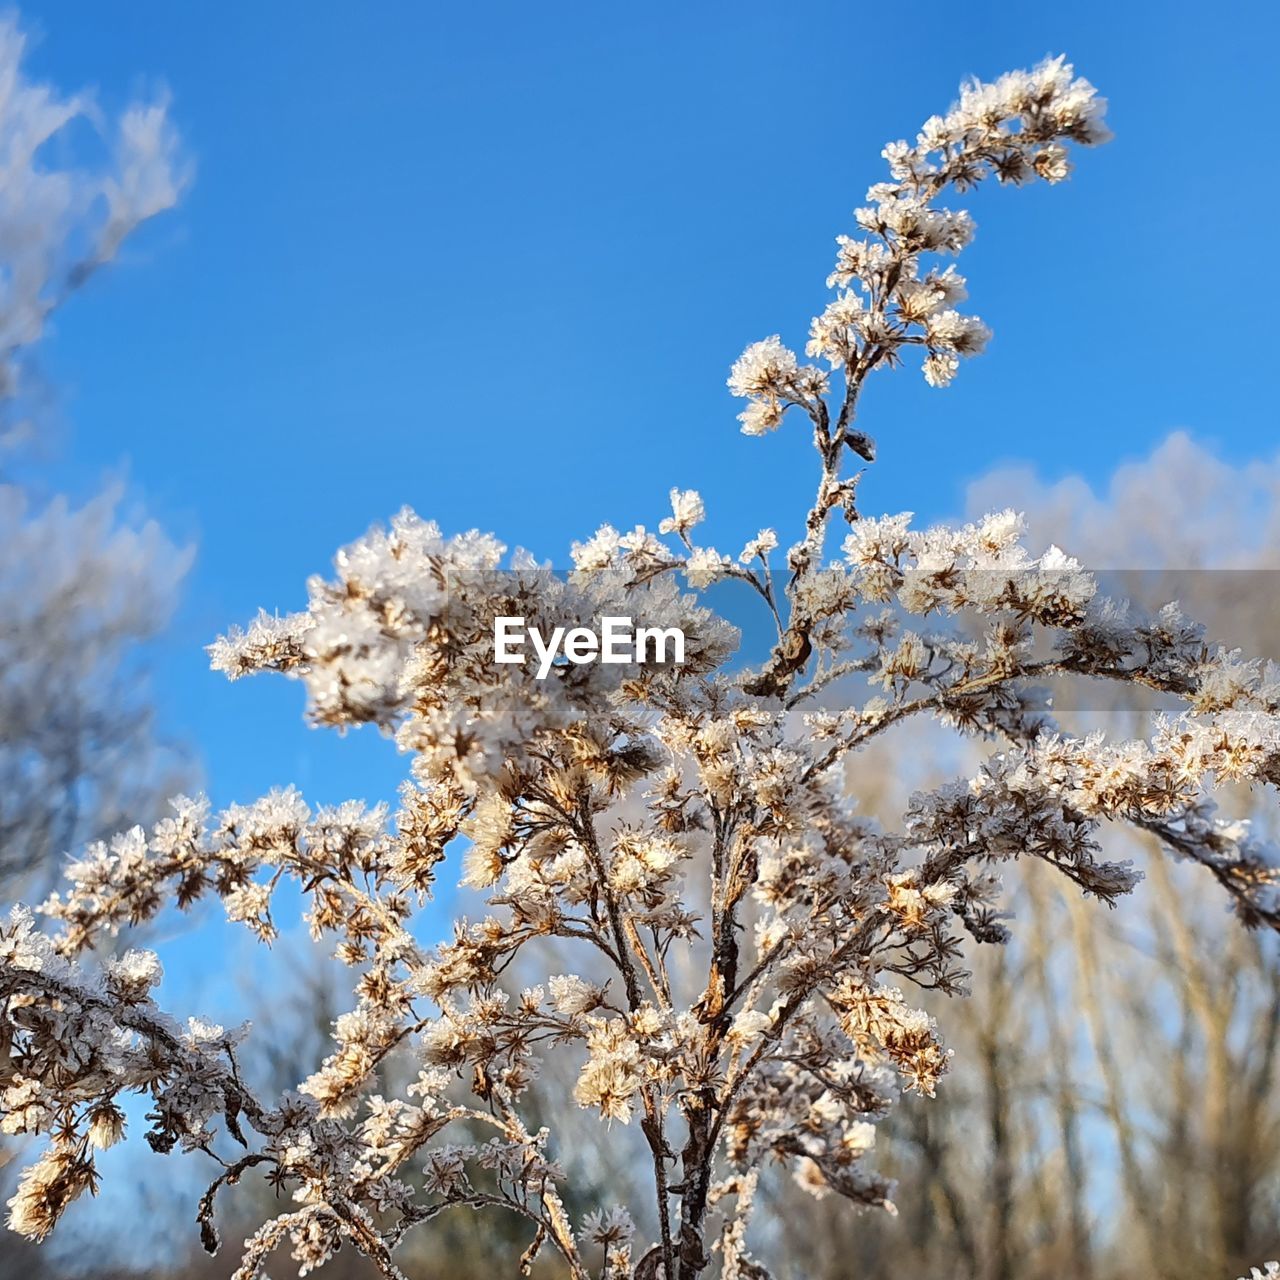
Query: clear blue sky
(494, 261)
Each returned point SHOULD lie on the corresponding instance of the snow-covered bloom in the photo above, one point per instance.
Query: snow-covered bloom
(686, 511)
(764, 368)
(704, 566)
(758, 548)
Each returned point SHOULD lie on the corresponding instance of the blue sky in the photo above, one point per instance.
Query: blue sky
(494, 262)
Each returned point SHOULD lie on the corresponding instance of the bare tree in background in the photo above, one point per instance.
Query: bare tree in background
(80, 590)
(1137, 1071)
(81, 587)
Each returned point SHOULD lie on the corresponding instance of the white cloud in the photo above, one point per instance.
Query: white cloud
(1181, 507)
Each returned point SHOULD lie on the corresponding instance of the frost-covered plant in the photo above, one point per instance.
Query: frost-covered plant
(61, 222)
(660, 820)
